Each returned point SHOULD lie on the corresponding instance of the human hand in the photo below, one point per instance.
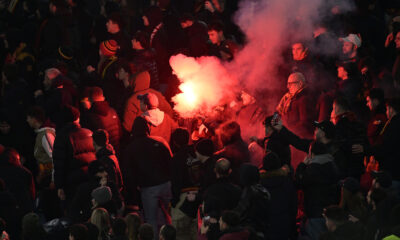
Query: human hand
(61, 194)
(357, 148)
(38, 93)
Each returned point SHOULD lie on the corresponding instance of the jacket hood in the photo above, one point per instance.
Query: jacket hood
(100, 108)
(322, 159)
(44, 129)
(154, 116)
(142, 81)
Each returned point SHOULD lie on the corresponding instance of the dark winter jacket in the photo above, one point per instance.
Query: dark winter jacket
(318, 181)
(19, 181)
(197, 39)
(106, 156)
(147, 160)
(348, 131)
(278, 144)
(283, 204)
(376, 124)
(387, 153)
(235, 233)
(102, 116)
(72, 153)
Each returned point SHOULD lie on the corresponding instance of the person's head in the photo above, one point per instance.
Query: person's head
(96, 169)
(324, 131)
(229, 219)
(392, 107)
(124, 70)
(148, 101)
(375, 98)
(346, 71)
(101, 219)
(93, 231)
(141, 40)
(334, 217)
(204, 149)
(140, 127)
(271, 162)
(299, 51)
(146, 232)
(223, 168)
(101, 196)
(351, 185)
(167, 232)
(375, 196)
(31, 227)
(108, 48)
(180, 137)
(78, 232)
(350, 45)
(216, 33)
(340, 106)
(96, 94)
(36, 117)
(267, 126)
(229, 133)
(397, 40)
(296, 81)
(133, 222)
(186, 20)
(100, 139)
(119, 227)
(249, 175)
(49, 75)
(115, 23)
(317, 148)
(56, 6)
(152, 16)
(10, 156)
(381, 180)
(70, 114)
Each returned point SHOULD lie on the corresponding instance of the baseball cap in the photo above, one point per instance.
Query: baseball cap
(327, 127)
(383, 178)
(150, 99)
(353, 38)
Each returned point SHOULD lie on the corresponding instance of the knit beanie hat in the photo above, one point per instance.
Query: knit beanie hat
(102, 195)
(109, 47)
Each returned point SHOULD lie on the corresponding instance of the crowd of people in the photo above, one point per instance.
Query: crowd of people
(91, 148)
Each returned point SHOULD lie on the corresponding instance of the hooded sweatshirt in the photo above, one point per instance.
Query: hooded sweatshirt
(161, 124)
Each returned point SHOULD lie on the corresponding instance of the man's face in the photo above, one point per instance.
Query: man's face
(298, 51)
(112, 27)
(214, 36)
(293, 85)
(372, 103)
(347, 48)
(341, 73)
(122, 74)
(397, 40)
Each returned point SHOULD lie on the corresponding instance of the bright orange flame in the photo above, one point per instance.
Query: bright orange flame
(188, 93)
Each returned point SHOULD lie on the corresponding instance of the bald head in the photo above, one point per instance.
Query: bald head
(222, 167)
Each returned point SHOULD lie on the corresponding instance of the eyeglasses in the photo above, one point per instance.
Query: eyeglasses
(291, 83)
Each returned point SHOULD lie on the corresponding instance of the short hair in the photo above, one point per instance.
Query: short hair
(351, 69)
(222, 167)
(336, 214)
(78, 231)
(394, 103)
(231, 218)
(119, 227)
(146, 232)
(230, 132)
(116, 18)
(100, 137)
(96, 94)
(298, 76)
(128, 67)
(342, 103)
(378, 195)
(37, 113)
(217, 26)
(318, 148)
(267, 121)
(186, 17)
(168, 232)
(54, 72)
(180, 136)
(143, 38)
